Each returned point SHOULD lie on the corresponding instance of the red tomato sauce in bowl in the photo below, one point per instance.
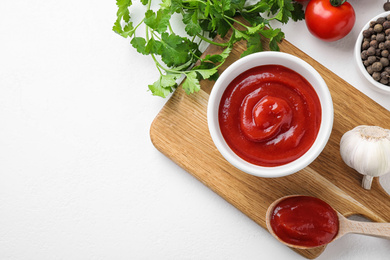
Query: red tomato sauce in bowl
(269, 115)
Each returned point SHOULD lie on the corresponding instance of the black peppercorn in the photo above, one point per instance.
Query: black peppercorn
(384, 81)
(365, 45)
(376, 76)
(386, 7)
(377, 66)
(371, 59)
(385, 62)
(364, 55)
(366, 33)
(378, 28)
(380, 37)
(371, 51)
(374, 43)
(386, 25)
(387, 44)
(380, 20)
(369, 70)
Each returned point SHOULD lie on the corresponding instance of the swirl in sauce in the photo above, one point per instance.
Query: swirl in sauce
(270, 115)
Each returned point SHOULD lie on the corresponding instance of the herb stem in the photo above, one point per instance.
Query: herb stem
(211, 41)
(170, 28)
(234, 21)
(158, 65)
(191, 1)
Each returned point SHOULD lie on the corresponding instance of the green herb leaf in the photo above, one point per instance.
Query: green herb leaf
(175, 50)
(158, 21)
(164, 85)
(270, 33)
(191, 83)
(154, 46)
(226, 52)
(192, 26)
(225, 5)
(255, 29)
(283, 9)
(207, 73)
(253, 45)
(139, 44)
(273, 44)
(297, 14)
(239, 35)
(213, 58)
(123, 14)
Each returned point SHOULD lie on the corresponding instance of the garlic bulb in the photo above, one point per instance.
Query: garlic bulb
(367, 150)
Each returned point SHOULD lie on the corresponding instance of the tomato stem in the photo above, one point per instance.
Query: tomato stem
(336, 3)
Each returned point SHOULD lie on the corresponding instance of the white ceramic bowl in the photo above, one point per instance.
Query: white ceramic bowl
(374, 84)
(299, 66)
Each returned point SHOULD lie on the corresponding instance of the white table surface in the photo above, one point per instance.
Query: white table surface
(79, 176)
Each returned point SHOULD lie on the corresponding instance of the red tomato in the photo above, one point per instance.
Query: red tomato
(328, 22)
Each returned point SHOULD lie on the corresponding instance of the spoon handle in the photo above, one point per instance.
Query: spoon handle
(381, 230)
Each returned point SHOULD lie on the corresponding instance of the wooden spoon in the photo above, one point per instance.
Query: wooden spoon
(346, 226)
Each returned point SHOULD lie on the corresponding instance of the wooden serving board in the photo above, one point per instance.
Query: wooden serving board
(180, 132)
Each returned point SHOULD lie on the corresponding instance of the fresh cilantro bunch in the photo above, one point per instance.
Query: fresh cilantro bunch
(176, 55)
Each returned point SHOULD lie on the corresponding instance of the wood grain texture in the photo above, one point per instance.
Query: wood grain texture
(347, 226)
(180, 132)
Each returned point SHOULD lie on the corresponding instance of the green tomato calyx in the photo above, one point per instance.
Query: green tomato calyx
(337, 3)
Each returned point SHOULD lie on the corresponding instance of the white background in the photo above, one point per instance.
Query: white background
(79, 176)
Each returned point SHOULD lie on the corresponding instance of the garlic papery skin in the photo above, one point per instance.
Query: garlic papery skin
(367, 150)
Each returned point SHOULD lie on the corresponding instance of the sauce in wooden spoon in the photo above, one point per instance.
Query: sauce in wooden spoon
(305, 222)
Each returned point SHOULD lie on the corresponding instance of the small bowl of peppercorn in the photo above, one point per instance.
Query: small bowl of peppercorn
(372, 52)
